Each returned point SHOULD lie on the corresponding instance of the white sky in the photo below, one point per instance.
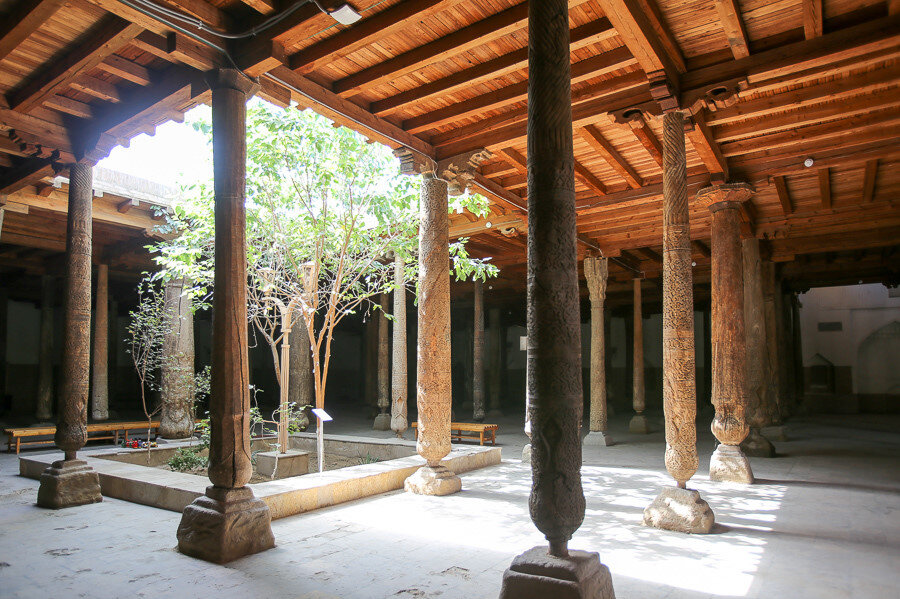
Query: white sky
(176, 155)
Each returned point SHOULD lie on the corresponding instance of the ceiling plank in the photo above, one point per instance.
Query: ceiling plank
(733, 24)
(599, 144)
(869, 178)
(24, 19)
(784, 196)
(813, 19)
(109, 36)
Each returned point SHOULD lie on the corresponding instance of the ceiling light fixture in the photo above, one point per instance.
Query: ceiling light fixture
(809, 162)
(345, 14)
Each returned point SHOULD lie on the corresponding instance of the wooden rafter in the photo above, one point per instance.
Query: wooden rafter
(24, 19)
(869, 179)
(733, 24)
(104, 40)
(599, 144)
(588, 179)
(646, 137)
(701, 248)
(651, 254)
(784, 196)
(705, 145)
(631, 20)
(27, 172)
(813, 18)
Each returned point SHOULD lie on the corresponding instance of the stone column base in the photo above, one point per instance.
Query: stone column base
(639, 425)
(526, 454)
(68, 483)
(681, 510)
(382, 422)
(757, 446)
(225, 524)
(536, 574)
(728, 464)
(428, 480)
(598, 438)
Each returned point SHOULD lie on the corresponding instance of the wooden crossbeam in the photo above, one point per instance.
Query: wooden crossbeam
(646, 137)
(500, 195)
(28, 172)
(599, 144)
(701, 248)
(813, 18)
(70, 106)
(733, 24)
(24, 19)
(126, 69)
(784, 196)
(650, 254)
(108, 37)
(869, 178)
(705, 145)
(631, 19)
(588, 179)
(102, 90)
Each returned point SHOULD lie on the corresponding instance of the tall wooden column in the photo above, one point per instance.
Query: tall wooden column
(399, 420)
(45, 359)
(678, 508)
(797, 347)
(496, 363)
(729, 364)
(771, 288)
(478, 354)
(755, 444)
(71, 481)
(301, 390)
(383, 419)
(100, 378)
(554, 329)
(228, 522)
(638, 422)
(595, 271)
(176, 419)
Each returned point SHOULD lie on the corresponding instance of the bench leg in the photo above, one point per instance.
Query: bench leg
(18, 444)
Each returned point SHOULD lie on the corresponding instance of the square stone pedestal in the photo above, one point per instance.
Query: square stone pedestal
(728, 464)
(536, 574)
(681, 510)
(382, 422)
(225, 524)
(282, 465)
(639, 425)
(598, 438)
(439, 480)
(68, 483)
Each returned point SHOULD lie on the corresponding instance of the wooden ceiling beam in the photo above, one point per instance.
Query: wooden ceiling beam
(503, 197)
(869, 179)
(28, 172)
(388, 22)
(24, 19)
(784, 196)
(646, 137)
(70, 106)
(733, 24)
(650, 254)
(813, 18)
(701, 138)
(102, 90)
(790, 162)
(126, 69)
(487, 224)
(106, 38)
(632, 21)
(610, 155)
(584, 176)
(701, 248)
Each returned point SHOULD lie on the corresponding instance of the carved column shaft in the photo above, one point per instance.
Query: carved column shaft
(176, 419)
(496, 362)
(301, 390)
(399, 420)
(45, 363)
(595, 271)
(755, 333)
(100, 374)
(478, 354)
(71, 430)
(554, 329)
(773, 375)
(384, 382)
(638, 400)
(679, 391)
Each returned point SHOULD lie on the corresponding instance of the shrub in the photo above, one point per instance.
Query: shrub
(187, 459)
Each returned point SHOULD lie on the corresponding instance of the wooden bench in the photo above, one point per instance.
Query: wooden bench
(469, 430)
(96, 432)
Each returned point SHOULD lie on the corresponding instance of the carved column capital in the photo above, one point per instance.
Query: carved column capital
(231, 79)
(725, 195)
(596, 270)
(458, 171)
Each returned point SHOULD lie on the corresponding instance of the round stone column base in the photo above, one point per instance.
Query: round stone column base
(728, 464)
(428, 480)
(382, 422)
(598, 438)
(681, 510)
(225, 524)
(67, 483)
(757, 446)
(639, 425)
(536, 574)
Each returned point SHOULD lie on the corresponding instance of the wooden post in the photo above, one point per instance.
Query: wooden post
(228, 521)
(177, 378)
(100, 379)
(478, 354)
(729, 365)
(45, 360)
(554, 326)
(383, 419)
(399, 421)
(755, 444)
(773, 373)
(595, 271)
(301, 388)
(370, 382)
(678, 509)
(71, 481)
(497, 364)
(797, 347)
(638, 422)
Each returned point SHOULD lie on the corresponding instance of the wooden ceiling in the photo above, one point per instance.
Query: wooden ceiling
(767, 84)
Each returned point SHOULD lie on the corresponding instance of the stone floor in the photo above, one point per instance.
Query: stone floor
(823, 522)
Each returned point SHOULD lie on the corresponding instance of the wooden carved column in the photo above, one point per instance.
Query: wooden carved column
(228, 521)
(797, 347)
(678, 508)
(773, 375)
(554, 325)
(595, 271)
(71, 481)
(399, 420)
(301, 390)
(478, 354)
(100, 378)
(45, 360)
(729, 364)
(496, 363)
(383, 419)
(755, 444)
(638, 422)
(176, 419)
